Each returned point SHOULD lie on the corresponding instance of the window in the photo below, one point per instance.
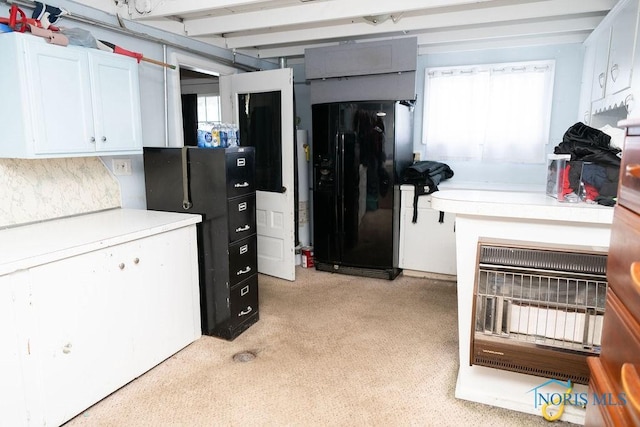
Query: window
(208, 110)
(495, 112)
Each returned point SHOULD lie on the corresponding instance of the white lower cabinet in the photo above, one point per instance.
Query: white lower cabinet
(93, 322)
(429, 244)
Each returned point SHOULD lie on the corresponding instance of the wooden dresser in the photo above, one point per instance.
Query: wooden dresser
(614, 387)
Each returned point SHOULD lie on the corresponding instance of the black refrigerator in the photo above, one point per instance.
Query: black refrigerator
(218, 184)
(359, 151)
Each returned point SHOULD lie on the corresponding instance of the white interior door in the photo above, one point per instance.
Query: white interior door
(274, 208)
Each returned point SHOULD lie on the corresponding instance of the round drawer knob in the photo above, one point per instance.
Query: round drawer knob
(136, 260)
(121, 266)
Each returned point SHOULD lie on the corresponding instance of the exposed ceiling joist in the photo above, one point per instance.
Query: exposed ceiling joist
(285, 28)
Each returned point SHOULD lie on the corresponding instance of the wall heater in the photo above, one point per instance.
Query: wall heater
(538, 310)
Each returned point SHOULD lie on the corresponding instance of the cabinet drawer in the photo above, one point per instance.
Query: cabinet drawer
(240, 172)
(600, 384)
(629, 191)
(244, 300)
(620, 338)
(623, 253)
(243, 260)
(242, 217)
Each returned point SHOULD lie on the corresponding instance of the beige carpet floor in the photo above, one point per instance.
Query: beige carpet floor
(332, 350)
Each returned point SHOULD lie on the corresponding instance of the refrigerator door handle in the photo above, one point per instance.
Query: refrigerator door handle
(186, 201)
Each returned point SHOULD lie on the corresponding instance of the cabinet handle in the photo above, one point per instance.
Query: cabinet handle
(585, 119)
(121, 266)
(631, 384)
(601, 78)
(241, 184)
(245, 228)
(245, 271)
(632, 171)
(136, 260)
(614, 72)
(104, 139)
(245, 312)
(635, 274)
(92, 139)
(67, 348)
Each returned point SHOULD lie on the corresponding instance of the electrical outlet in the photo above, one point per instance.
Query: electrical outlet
(121, 166)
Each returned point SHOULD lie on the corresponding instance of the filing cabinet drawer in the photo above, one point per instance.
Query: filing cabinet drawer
(243, 260)
(242, 217)
(244, 300)
(240, 175)
(624, 252)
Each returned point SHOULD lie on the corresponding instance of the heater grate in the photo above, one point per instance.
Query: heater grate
(533, 305)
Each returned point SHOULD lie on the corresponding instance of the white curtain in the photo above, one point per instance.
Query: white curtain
(498, 112)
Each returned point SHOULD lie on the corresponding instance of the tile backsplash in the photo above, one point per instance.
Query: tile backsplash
(36, 190)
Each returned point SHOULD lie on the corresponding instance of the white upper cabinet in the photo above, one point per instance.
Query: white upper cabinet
(67, 101)
(610, 51)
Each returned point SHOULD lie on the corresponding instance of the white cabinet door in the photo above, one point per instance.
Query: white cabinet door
(59, 99)
(82, 342)
(428, 245)
(165, 286)
(116, 102)
(600, 71)
(13, 407)
(584, 108)
(623, 31)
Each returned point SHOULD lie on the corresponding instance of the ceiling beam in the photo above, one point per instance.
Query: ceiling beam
(183, 7)
(312, 12)
(503, 43)
(461, 18)
(517, 31)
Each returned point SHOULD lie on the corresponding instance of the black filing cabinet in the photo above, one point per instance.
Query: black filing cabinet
(218, 184)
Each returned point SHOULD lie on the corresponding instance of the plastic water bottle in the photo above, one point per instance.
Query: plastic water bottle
(224, 139)
(215, 135)
(231, 138)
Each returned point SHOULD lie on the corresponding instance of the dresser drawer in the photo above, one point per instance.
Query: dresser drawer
(629, 191)
(244, 300)
(243, 260)
(601, 411)
(242, 217)
(240, 172)
(623, 253)
(620, 338)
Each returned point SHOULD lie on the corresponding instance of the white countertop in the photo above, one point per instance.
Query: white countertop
(519, 205)
(47, 241)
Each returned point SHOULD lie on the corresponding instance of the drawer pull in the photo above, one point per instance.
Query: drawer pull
(67, 348)
(245, 271)
(244, 249)
(633, 170)
(601, 78)
(245, 228)
(241, 184)
(240, 162)
(242, 206)
(635, 274)
(245, 312)
(631, 384)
